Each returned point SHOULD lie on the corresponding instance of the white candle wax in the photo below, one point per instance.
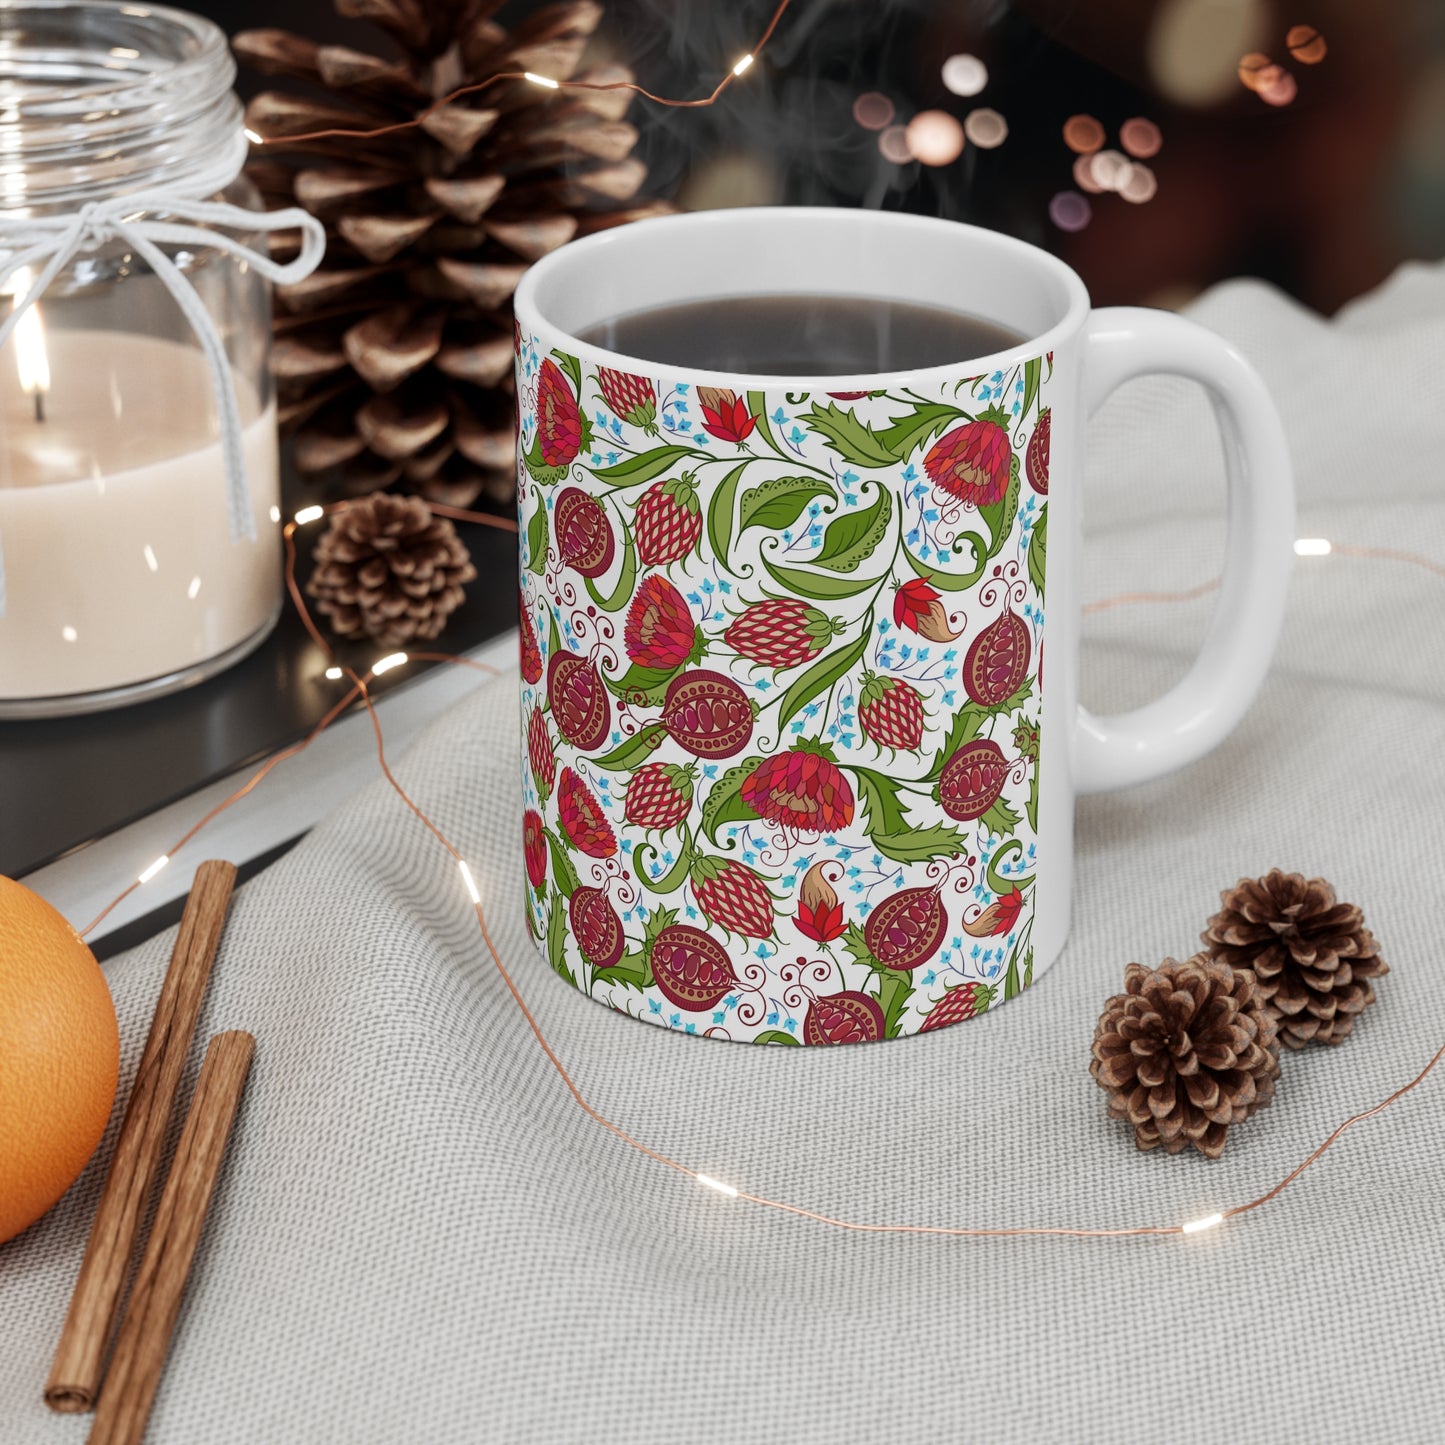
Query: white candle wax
(114, 522)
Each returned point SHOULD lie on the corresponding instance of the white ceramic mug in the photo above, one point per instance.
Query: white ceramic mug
(795, 770)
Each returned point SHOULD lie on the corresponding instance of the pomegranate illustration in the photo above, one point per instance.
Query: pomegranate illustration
(997, 661)
(596, 927)
(707, 714)
(733, 896)
(659, 795)
(843, 1018)
(781, 633)
(582, 818)
(540, 753)
(531, 653)
(534, 847)
(964, 1002)
(578, 700)
(890, 712)
(907, 928)
(666, 522)
(633, 398)
(660, 631)
(584, 535)
(690, 967)
(972, 780)
(1036, 458)
(971, 462)
(802, 789)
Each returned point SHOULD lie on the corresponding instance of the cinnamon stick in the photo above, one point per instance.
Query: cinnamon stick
(155, 1298)
(75, 1372)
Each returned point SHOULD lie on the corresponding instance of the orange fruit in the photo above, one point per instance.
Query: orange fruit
(59, 1055)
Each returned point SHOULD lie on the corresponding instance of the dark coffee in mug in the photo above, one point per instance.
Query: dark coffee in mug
(801, 335)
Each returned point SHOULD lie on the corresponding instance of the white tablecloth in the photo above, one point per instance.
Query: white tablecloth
(418, 1236)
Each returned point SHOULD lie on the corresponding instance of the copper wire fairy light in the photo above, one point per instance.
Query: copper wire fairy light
(359, 690)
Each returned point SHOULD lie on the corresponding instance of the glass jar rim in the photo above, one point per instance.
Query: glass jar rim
(104, 97)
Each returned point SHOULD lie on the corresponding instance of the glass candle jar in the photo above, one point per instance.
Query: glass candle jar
(130, 568)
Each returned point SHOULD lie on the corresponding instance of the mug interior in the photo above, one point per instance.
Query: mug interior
(797, 250)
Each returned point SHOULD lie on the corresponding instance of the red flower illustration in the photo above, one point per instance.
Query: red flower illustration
(534, 847)
(725, 414)
(660, 631)
(822, 924)
(999, 917)
(971, 463)
(802, 789)
(918, 607)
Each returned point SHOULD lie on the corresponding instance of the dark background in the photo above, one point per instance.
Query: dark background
(1323, 196)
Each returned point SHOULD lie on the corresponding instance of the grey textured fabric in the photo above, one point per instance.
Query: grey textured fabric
(419, 1237)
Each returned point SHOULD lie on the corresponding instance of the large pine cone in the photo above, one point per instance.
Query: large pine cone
(388, 570)
(1185, 1051)
(394, 360)
(1312, 956)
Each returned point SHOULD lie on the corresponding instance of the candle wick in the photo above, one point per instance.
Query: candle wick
(39, 404)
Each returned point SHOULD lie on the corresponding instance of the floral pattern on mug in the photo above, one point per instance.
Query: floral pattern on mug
(782, 656)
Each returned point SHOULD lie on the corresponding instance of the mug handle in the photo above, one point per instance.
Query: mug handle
(1198, 712)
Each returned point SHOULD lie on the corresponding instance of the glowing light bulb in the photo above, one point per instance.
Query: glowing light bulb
(309, 514)
(543, 80)
(385, 664)
(469, 880)
(742, 64)
(1195, 1226)
(708, 1182)
(154, 868)
(1313, 547)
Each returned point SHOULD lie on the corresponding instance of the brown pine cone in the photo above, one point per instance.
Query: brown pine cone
(393, 361)
(1185, 1051)
(388, 570)
(1312, 956)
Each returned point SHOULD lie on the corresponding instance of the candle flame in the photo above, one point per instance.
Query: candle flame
(31, 359)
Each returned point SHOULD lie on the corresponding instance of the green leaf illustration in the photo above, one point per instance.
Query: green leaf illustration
(642, 686)
(631, 970)
(1032, 371)
(675, 875)
(573, 367)
(917, 845)
(780, 501)
(621, 594)
(557, 939)
(819, 678)
(1038, 549)
(563, 872)
(776, 1036)
(1028, 968)
(882, 805)
(537, 538)
(967, 723)
(644, 466)
(758, 410)
(1031, 805)
(817, 585)
(894, 991)
(1000, 819)
(1011, 987)
(631, 751)
(852, 439)
(720, 512)
(724, 803)
(999, 516)
(855, 945)
(854, 535)
(905, 434)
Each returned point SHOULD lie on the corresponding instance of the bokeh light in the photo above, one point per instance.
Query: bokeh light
(1139, 185)
(1083, 134)
(1084, 175)
(1140, 137)
(1278, 88)
(873, 110)
(965, 74)
(1194, 46)
(985, 128)
(1306, 44)
(1110, 169)
(893, 142)
(1251, 67)
(934, 137)
(1070, 211)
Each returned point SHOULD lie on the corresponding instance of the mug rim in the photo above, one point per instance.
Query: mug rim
(589, 250)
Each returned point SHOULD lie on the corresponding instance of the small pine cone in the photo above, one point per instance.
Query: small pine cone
(388, 570)
(1184, 1052)
(1313, 957)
